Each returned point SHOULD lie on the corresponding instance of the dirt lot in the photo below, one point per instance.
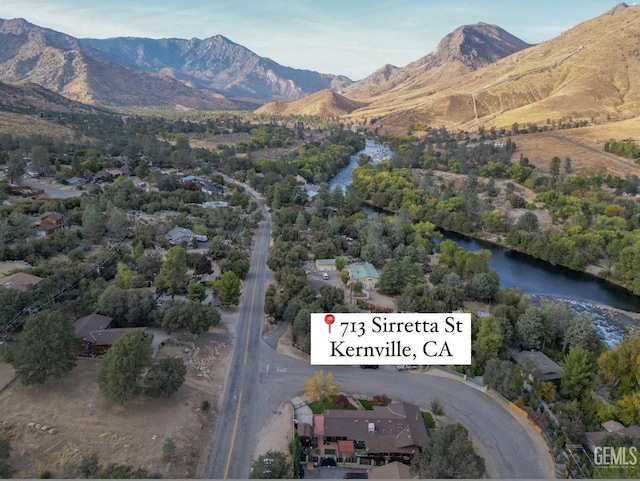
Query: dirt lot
(588, 159)
(133, 434)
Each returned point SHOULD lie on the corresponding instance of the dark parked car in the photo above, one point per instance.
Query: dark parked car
(353, 475)
(368, 366)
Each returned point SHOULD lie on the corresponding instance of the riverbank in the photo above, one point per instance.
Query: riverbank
(612, 324)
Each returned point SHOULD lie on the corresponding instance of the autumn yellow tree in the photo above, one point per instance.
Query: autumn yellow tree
(320, 386)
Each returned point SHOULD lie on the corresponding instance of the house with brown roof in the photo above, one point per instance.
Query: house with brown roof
(21, 281)
(393, 470)
(609, 428)
(386, 433)
(95, 337)
(50, 222)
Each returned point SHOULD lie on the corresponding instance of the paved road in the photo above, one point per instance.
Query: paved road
(52, 191)
(237, 419)
(261, 380)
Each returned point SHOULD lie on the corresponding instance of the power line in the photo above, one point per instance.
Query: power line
(101, 259)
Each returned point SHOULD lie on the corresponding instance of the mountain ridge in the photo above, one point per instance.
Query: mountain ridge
(219, 64)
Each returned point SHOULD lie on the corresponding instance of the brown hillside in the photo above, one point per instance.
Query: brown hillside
(62, 64)
(588, 72)
(464, 50)
(325, 103)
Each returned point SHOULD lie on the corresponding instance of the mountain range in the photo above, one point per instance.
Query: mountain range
(478, 75)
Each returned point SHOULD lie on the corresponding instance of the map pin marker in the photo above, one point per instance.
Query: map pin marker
(329, 319)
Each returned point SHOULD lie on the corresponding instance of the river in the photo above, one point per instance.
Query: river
(536, 278)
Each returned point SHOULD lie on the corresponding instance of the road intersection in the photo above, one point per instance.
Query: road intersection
(261, 379)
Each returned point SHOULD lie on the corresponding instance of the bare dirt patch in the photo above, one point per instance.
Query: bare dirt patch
(7, 266)
(277, 434)
(84, 422)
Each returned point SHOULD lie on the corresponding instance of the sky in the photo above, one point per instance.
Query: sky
(347, 37)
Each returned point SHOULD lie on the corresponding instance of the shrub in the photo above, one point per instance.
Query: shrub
(381, 400)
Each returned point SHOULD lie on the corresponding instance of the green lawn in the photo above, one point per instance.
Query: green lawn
(319, 407)
(428, 418)
(368, 405)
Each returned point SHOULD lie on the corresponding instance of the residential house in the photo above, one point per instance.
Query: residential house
(609, 428)
(183, 236)
(387, 433)
(549, 369)
(365, 273)
(51, 222)
(194, 178)
(325, 265)
(95, 337)
(21, 281)
(102, 176)
(393, 470)
(212, 188)
(115, 173)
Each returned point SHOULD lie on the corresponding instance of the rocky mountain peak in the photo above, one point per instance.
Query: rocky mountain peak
(478, 45)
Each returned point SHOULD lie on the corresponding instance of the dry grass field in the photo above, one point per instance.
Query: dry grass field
(131, 434)
(585, 147)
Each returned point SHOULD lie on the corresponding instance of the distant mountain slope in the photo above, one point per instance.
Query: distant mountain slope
(27, 108)
(590, 71)
(464, 50)
(61, 63)
(218, 64)
(325, 103)
(27, 97)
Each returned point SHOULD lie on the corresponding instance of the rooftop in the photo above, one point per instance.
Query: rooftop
(20, 281)
(362, 271)
(398, 427)
(549, 369)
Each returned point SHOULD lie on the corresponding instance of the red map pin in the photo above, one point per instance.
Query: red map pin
(329, 319)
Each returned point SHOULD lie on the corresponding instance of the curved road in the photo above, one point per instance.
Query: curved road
(261, 380)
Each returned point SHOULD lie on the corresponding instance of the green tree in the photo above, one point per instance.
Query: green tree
(124, 276)
(341, 263)
(554, 167)
(489, 340)
(196, 318)
(578, 374)
(330, 297)
(168, 449)
(40, 160)
(165, 377)
(196, 291)
(437, 407)
(173, 273)
(582, 333)
(629, 407)
(128, 308)
(448, 454)
(528, 222)
(93, 222)
(228, 289)
(530, 328)
(504, 377)
(271, 465)
(620, 366)
(5, 450)
(483, 286)
(47, 348)
(15, 168)
(122, 365)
